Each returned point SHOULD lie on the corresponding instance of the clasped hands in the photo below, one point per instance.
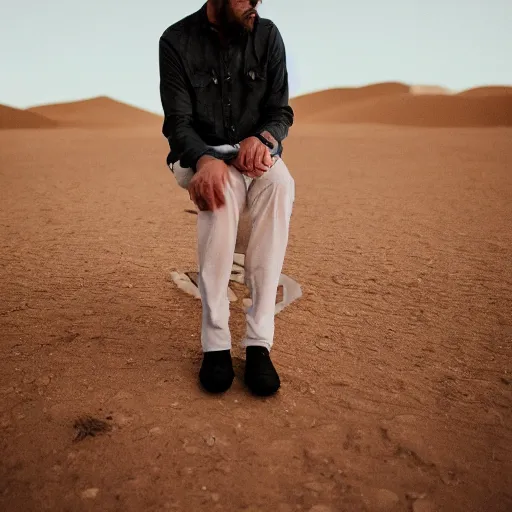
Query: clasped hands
(207, 187)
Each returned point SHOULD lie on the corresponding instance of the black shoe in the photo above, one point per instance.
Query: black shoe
(260, 375)
(216, 374)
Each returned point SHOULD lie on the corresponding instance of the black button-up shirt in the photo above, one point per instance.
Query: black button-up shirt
(214, 93)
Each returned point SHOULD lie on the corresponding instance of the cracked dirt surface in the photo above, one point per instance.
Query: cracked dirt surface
(396, 363)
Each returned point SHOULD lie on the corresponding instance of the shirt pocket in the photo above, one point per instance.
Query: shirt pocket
(204, 90)
(257, 84)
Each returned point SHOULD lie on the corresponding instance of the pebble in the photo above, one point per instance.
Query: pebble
(215, 496)
(381, 500)
(210, 440)
(121, 420)
(412, 495)
(90, 493)
(155, 431)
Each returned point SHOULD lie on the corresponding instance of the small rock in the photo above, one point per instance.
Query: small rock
(423, 506)
(203, 488)
(381, 500)
(155, 431)
(192, 450)
(121, 420)
(414, 495)
(90, 493)
(215, 497)
(88, 312)
(210, 440)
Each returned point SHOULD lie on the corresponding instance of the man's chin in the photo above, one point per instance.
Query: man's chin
(248, 24)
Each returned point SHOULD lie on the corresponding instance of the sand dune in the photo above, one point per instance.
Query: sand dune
(310, 104)
(429, 89)
(423, 110)
(97, 112)
(492, 90)
(11, 118)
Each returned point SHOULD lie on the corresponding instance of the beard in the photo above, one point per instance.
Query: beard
(232, 24)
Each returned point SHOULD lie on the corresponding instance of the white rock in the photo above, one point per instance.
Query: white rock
(90, 493)
(184, 283)
(239, 259)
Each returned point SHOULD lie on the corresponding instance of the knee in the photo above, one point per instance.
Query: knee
(277, 184)
(279, 177)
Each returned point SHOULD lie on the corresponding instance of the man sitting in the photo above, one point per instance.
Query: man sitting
(224, 81)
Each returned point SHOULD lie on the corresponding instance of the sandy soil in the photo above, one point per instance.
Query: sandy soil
(396, 363)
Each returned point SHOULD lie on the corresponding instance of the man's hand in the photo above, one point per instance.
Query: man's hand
(253, 159)
(207, 187)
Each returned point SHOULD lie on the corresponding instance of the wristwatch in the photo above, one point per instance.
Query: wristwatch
(264, 140)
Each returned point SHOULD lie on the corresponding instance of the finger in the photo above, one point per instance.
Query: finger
(245, 159)
(210, 196)
(203, 193)
(255, 173)
(218, 193)
(259, 161)
(267, 159)
(192, 193)
(249, 160)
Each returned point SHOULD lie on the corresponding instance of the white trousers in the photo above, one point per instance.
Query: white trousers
(269, 200)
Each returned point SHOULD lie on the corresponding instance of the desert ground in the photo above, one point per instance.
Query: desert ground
(396, 363)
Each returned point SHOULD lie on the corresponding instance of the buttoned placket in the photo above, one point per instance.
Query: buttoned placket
(226, 91)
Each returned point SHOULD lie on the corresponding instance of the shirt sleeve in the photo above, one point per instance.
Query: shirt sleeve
(177, 106)
(277, 115)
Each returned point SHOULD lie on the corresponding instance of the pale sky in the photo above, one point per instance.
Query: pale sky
(65, 50)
